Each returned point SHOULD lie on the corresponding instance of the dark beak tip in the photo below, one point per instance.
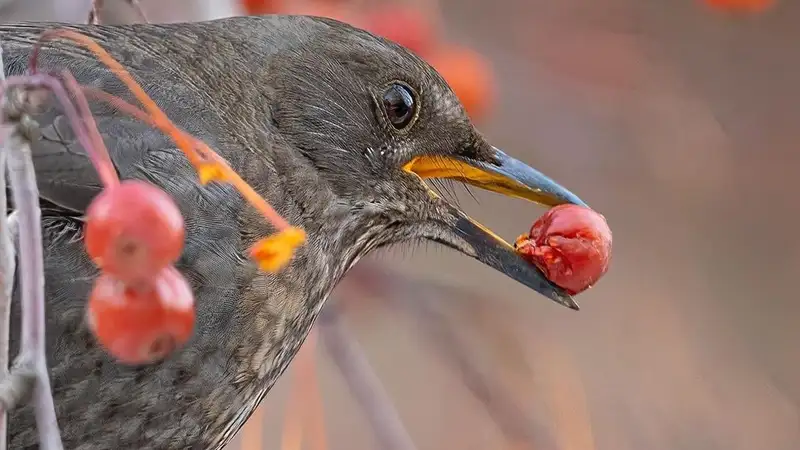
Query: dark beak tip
(570, 303)
(563, 298)
(503, 258)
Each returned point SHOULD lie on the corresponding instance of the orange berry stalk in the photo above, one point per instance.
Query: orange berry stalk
(271, 253)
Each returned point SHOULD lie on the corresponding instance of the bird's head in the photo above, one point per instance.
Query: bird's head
(376, 121)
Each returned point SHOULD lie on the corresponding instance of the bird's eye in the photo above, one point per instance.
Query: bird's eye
(400, 105)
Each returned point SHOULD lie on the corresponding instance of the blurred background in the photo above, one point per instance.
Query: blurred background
(679, 121)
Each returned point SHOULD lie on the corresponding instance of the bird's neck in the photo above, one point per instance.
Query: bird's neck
(279, 309)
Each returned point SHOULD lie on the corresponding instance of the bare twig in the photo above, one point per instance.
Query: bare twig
(500, 407)
(292, 434)
(17, 386)
(363, 383)
(79, 127)
(315, 412)
(31, 265)
(406, 295)
(30, 372)
(7, 271)
(567, 396)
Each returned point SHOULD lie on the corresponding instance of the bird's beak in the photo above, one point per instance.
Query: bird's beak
(503, 174)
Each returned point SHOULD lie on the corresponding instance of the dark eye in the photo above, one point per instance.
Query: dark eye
(400, 105)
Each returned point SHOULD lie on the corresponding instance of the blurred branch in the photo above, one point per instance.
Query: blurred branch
(417, 301)
(315, 414)
(363, 383)
(7, 270)
(567, 398)
(22, 96)
(500, 407)
(292, 435)
(304, 405)
(16, 104)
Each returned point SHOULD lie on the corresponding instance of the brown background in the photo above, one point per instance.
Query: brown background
(682, 126)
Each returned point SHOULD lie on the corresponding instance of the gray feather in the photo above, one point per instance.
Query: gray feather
(290, 103)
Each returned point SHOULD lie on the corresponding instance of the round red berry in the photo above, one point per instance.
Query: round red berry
(133, 230)
(571, 244)
(144, 322)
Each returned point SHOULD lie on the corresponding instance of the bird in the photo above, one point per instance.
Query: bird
(337, 128)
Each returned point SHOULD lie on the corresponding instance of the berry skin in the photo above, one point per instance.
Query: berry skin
(133, 230)
(142, 323)
(571, 244)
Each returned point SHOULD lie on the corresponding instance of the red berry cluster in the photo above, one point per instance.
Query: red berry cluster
(141, 308)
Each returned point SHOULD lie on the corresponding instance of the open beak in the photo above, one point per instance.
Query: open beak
(505, 175)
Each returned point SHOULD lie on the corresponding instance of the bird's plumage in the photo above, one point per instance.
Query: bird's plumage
(289, 102)
(333, 126)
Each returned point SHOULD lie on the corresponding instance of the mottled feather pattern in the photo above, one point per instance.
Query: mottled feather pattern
(291, 103)
(140, 400)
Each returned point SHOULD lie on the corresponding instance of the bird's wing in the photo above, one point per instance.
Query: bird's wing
(85, 385)
(67, 180)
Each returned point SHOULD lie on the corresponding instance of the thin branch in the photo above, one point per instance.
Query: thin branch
(7, 271)
(406, 295)
(71, 11)
(292, 433)
(28, 93)
(315, 411)
(501, 408)
(83, 133)
(30, 372)
(17, 387)
(22, 94)
(32, 341)
(304, 410)
(363, 383)
(567, 394)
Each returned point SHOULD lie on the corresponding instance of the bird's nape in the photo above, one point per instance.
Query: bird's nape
(498, 172)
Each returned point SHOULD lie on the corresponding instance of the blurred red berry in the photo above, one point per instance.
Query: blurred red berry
(752, 6)
(260, 7)
(404, 24)
(571, 244)
(133, 230)
(469, 76)
(144, 322)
